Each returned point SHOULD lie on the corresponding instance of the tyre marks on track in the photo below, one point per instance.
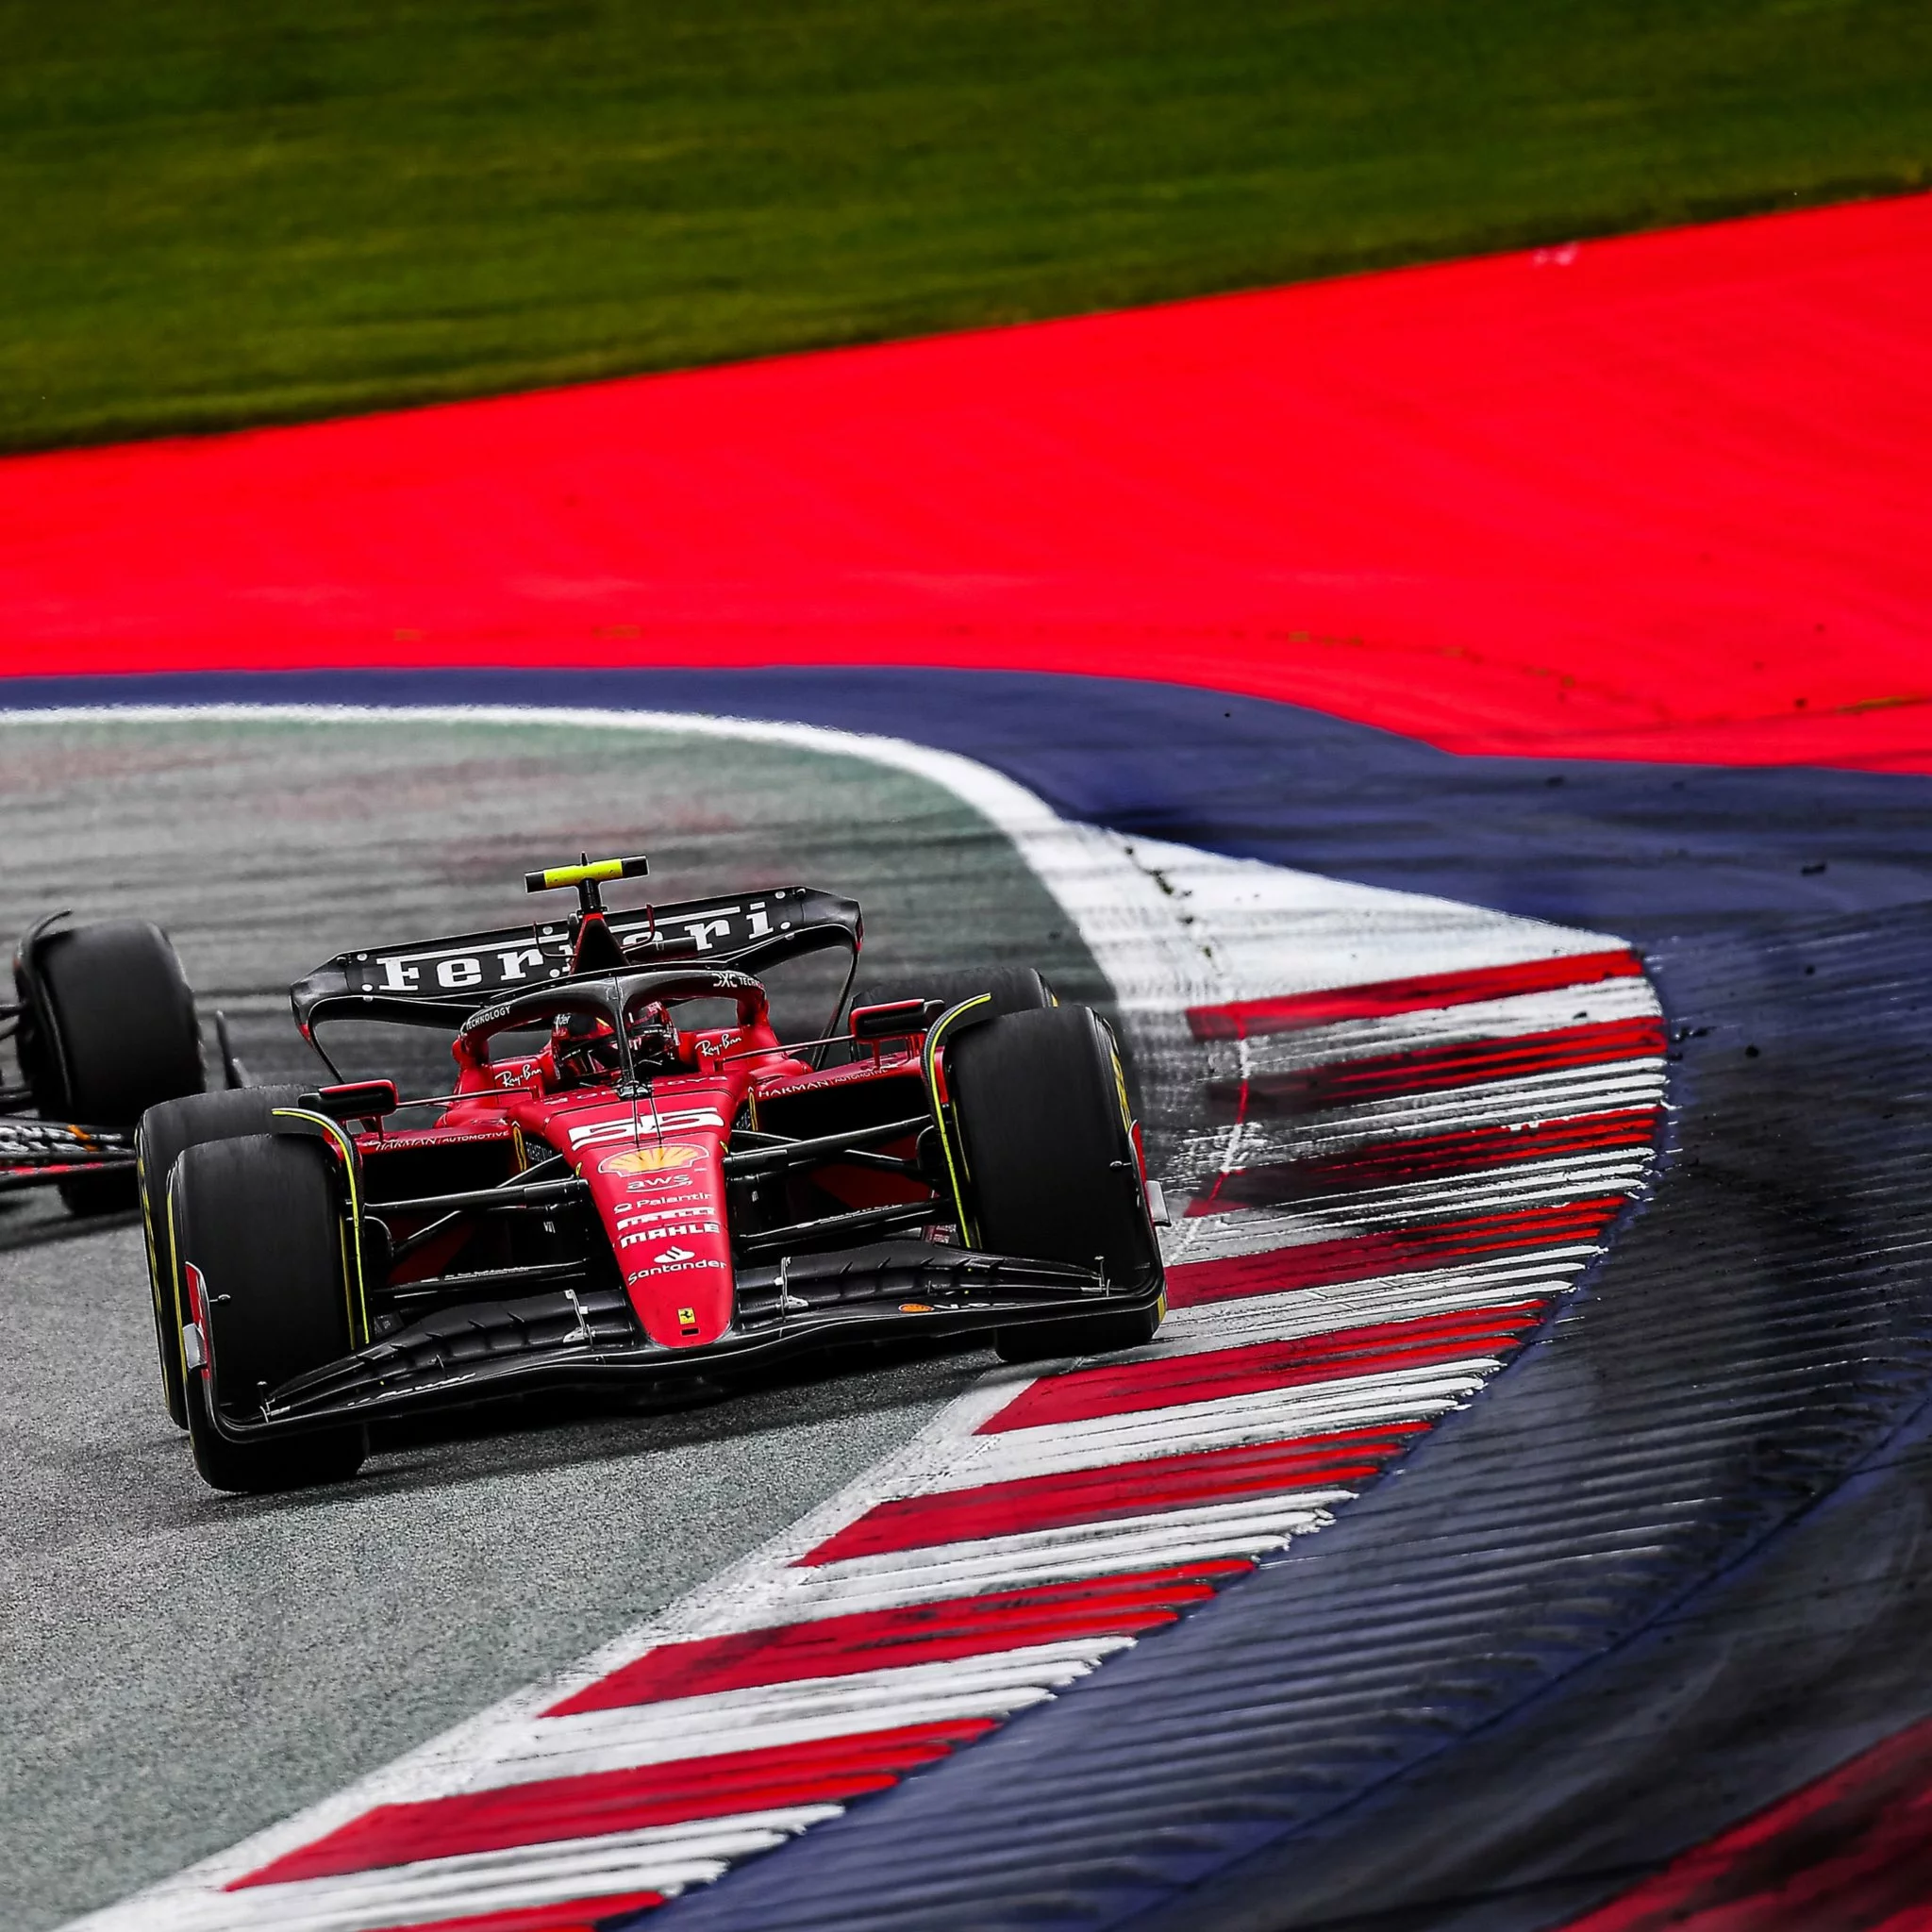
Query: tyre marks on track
(1044, 1522)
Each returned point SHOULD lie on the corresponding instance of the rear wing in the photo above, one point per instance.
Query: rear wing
(442, 981)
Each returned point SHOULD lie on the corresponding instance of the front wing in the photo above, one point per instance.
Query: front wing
(38, 1154)
(587, 1338)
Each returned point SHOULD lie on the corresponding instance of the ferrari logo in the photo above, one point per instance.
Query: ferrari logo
(686, 1318)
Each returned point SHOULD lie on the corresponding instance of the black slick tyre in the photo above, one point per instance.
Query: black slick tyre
(1014, 988)
(109, 1030)
(1040, 1104)
(166, 1133)
(257, 1218)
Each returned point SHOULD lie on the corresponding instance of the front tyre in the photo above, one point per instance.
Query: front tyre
(166, 1133)
(257, 1221)
(1041, 1103)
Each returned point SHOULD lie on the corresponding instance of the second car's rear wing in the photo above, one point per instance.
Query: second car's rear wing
(439, 982)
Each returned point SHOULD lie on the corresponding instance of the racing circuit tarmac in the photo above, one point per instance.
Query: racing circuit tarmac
(183, 1667)
(1670, 1564)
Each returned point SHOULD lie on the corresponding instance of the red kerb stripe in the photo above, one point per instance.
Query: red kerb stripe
(575, 1915)
(1123, 1488)
(1426, 1158)
(1439, 1069)
(908, 1634)
(826, 1772)
(1130, 1388)
(1293, 1011)
(1395, 1251)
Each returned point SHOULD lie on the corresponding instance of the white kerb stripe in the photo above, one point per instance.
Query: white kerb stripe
(1363, 1401)
(665, 1858)
(763, 1717)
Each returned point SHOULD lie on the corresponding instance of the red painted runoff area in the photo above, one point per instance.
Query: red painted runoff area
(1661, 497)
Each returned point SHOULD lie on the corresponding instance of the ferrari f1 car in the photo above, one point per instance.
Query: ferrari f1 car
(632, 1180)
(103, 1026)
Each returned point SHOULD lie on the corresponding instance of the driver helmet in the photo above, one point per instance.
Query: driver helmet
(652, 1034)
(583, 1047)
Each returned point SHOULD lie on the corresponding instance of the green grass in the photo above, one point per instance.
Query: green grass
(222, 213)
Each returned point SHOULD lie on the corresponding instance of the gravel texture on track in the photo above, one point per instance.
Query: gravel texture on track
(181, 1668)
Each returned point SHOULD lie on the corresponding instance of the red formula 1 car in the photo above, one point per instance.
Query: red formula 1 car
(633, 1180)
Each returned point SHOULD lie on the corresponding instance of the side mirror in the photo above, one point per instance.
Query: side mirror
(356, 1100)
(894, 1019)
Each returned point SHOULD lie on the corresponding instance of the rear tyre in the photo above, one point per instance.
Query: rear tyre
(109, 1031)
(257, 1218)
(166, 1133)
(1014, 988)
(1041, 1103)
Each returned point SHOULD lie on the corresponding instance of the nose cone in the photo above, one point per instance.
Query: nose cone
(661, 1197)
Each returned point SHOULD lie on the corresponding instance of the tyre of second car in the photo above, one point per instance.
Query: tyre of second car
(112, 1031)
(120, 1007)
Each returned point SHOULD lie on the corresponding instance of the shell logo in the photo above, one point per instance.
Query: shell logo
(651, 1160)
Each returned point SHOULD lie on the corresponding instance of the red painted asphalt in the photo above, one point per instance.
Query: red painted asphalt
(1657, 497)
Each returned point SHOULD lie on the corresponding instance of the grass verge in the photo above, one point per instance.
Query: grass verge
(218, 215)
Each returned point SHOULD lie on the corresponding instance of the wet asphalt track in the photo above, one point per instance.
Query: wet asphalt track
(180, 1668)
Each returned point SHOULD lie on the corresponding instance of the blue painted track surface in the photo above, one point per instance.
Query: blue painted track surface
(1675, 1562)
